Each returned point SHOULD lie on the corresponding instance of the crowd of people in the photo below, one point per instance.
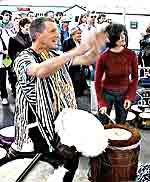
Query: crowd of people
(48, 57)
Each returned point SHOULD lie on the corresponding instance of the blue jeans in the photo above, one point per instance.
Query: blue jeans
(116, 99)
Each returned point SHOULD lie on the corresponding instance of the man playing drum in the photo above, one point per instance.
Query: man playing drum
(44, 88)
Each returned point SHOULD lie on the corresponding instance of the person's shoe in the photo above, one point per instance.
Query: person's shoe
(4, 101)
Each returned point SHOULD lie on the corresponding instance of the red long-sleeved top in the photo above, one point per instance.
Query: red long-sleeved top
(117, 68)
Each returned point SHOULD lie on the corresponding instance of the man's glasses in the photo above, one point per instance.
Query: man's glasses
(93, 16)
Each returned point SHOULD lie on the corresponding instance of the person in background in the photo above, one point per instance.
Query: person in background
(50, 14)
(16, 19)
(145, 49)
(75, 71)
(31, 15)
(65, 29)
(44, 87)
(3, 53)
(82, 21)
(6, 20)
(58, 19)
(21, 41)
(6, 32)
(89, 27)
(116, 88)
(101, 18)
(17, 44)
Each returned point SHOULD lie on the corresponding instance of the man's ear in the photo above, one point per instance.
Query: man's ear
(37, 34)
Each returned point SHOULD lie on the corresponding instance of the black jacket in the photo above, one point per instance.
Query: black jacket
(74, 70)
(17, 44)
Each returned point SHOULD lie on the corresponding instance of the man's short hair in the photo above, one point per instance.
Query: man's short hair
(30, 12)
(6, 11)
(50, 11)
(38, 25)
(59, 13)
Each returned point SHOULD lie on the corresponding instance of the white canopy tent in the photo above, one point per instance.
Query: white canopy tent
(41, 3)
(129, 6)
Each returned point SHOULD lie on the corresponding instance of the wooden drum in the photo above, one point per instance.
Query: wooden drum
(136, 110)
(120, 161)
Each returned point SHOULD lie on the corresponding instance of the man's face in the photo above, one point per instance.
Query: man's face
(17, 20)
(91, 18)
(59, 17)
(50, 15)
(31, 16)
(6, 17)
(48, 37)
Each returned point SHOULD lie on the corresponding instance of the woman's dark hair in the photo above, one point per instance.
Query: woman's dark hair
(80, 18)
(148, 29)
(23, 22)
(114, 31)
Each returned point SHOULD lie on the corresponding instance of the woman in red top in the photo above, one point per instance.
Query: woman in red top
(120, 67)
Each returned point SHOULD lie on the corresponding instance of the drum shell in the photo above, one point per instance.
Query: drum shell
(120, 161)
(115, 165)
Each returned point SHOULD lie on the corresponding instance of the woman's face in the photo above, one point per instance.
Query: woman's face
(122, 41)
(84, 18)
(25, 29)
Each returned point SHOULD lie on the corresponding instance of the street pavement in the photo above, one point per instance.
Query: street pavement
(6, 119)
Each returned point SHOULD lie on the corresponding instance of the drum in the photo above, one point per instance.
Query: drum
(13, 169)
(136, 110)
(7, 135)
(3, 153)
(130, 117)
(119, 162)
(144, 120)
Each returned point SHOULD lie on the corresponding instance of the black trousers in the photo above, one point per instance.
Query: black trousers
(3, 89)
(12, 80)
(40, 146)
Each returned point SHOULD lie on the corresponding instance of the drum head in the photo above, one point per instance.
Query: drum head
(2, 153)
(12, 170)
(144, 115)
(136, 108)
(8, 132)
(118, 134)
(130, 115)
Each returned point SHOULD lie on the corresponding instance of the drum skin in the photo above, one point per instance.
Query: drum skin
(12, 170)
(123, 143)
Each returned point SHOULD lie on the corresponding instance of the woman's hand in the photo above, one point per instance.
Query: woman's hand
(127, 104)
(103, 110)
